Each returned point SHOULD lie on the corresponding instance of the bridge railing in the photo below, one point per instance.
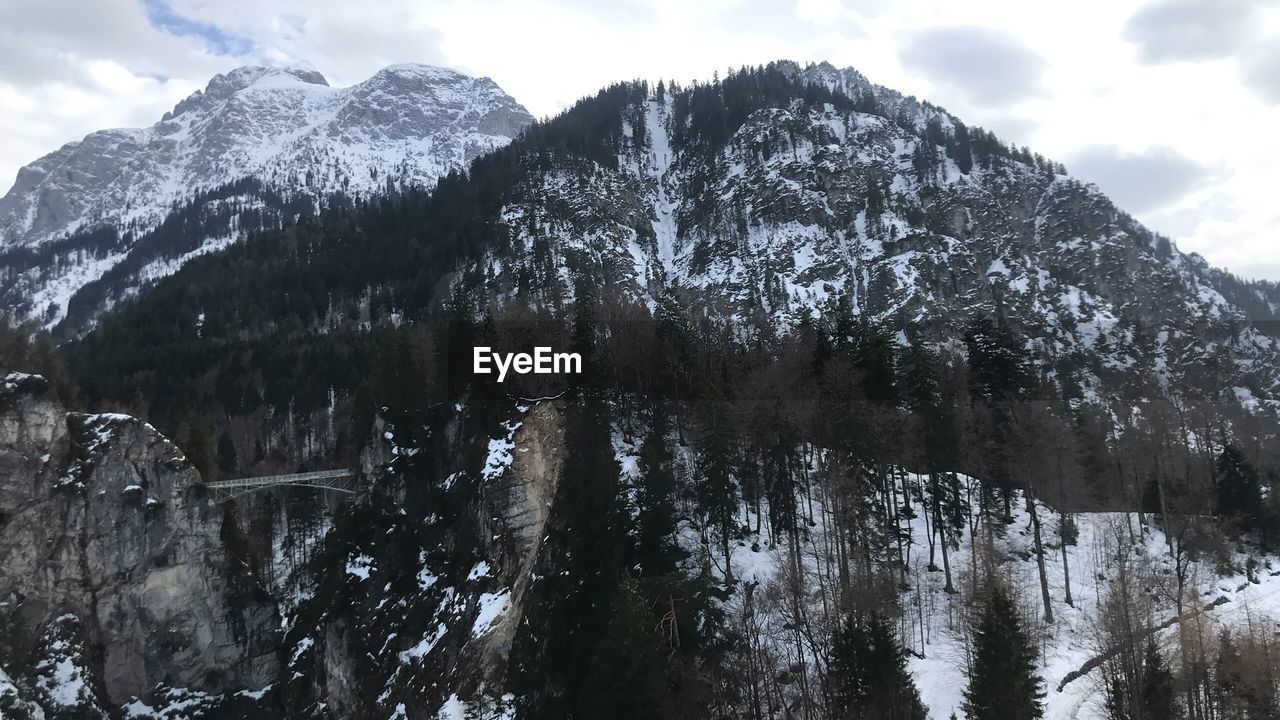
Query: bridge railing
(323, 479)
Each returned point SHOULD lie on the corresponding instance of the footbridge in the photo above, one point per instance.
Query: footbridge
(341, 480)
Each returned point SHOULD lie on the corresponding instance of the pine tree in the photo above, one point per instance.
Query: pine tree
(583, 337)
(877, 359)
(676, 349)
(869, 674)
(454, 356)
(717, 494)
(138, 405)
(1001, 370)
(655, 518)
(960, 149)
(1227, 674)
(1150, 500)
(1003, 683)
(627, 679)
(1239, 487)
(1000, 375)
(941, 443)
(228, 460)
(198, 445)
(1157, 686)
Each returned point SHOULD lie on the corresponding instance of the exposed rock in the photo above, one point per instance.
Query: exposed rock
(525, 503)
(64, 683)
(102, 519)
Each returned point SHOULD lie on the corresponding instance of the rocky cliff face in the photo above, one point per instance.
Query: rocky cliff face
(414, 600)
(108, 538)
(522, 495)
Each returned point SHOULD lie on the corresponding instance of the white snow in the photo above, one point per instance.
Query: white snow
(457, 709)
(500, 457)
(360, 566)
(492, 606)
(303, 645)
(138, 709)
(480, 570)
(424, 645)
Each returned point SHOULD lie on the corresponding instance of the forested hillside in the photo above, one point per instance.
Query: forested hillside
(778, 192)
(878, 418)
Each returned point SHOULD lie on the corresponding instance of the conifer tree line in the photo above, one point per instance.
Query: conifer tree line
(760, 443)
(833, 431)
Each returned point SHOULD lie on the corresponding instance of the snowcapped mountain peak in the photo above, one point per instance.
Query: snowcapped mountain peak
(419, 71)
(223, 86)
(247, 75)
(285, 128)
(408, 122)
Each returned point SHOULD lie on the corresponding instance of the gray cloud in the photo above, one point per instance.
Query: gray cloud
(987, 66)
(1178, 30)
(1139, 182)
(45, 41)
(1260, 70)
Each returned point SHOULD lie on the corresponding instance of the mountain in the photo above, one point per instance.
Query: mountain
(779, 193)
(890, 205)
(850, 366)
(80, 211)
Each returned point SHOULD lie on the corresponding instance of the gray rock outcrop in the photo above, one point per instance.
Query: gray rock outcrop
(103, 518)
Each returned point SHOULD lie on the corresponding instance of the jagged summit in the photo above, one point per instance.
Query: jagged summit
(224, 85)
(286, 128)
(247, 75)
(279, 124)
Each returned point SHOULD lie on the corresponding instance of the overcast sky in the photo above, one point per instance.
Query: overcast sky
(1172, 106)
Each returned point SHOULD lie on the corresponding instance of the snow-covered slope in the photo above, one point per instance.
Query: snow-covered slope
(285, 127)
(934, 624)
(890, 205)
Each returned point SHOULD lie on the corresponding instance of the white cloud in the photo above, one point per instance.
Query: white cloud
(820, 11)
(1260, 69)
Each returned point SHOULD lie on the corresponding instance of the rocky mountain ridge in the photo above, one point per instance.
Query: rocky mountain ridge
(888, 205)
(286, 128)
